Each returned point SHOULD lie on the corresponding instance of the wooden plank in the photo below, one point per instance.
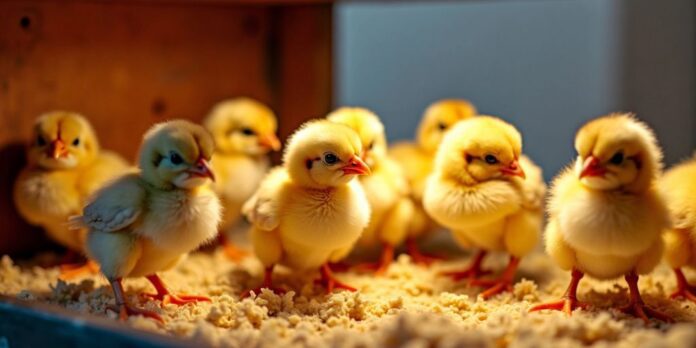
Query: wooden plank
(126, 65)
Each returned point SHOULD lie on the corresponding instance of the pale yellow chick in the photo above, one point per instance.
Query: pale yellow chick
(605, 213)
(416, 160)
(244, 133)
(65, 165)
(146, 222)
(479, 190)
(679, 189)
(386, 187)
(310, 211)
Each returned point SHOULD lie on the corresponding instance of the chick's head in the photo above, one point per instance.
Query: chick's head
(243, 126)
(369, 128)
(480, 149)
(617, 152)
(439, 118)
(62, 140)
(176, 154)
(323, 154)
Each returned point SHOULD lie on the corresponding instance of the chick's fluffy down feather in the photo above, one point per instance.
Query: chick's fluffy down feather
(604, 233)
(679, 189)
(137, 229)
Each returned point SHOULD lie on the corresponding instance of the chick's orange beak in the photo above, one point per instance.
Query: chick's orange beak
(270, 141)
(356, 166)
(592, 167)
(57, 149)
(202, 169)
(514, 169)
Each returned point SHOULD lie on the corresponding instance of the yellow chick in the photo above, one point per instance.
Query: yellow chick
(416, 160)
(309, 211)
(244, 133)
(480, 191)
(605, 212)
(64, 166)
(386, 187)
(146, 222)
(678, 187)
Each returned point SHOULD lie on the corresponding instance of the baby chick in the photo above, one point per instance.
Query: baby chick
(386, 187)
(146, 222)
(416, 160)
(605, 212)
(678, 187)
(309, 211)
(244, 133)
(64, 166)
(480, 191)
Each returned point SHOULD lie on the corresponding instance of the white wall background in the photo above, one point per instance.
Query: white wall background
(545, 65)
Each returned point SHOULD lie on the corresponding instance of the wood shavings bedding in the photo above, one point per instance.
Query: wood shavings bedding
(411, 306)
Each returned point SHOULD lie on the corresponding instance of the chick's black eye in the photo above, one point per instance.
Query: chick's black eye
(40, 141)
(617, 158)
(490, 159)
(176, 159)
(372, 144)
(248, 131)
(330, 158)
(441, 126)
(76, 142)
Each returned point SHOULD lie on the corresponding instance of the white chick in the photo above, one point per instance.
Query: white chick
(146, 222)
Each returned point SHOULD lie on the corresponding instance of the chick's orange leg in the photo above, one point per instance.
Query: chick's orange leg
(124, 309)
(329, 281)
(72, 271)
(502, 283)
(473, 271)
(232, 251)
(637, 307)
(569, 302)
(380, 267)
(684, 289)
(267, 284)
(163, 294)
(413, 250)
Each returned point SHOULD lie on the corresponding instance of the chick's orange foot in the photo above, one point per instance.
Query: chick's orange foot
(637, 307)
(72, 271)
(233, 252)
(474, 271)
(502, 283)
(684, 289)
(570, 300)
(267, 284)
(380, 267)
(329, 281)
(124, 311)
(418, 257)
(163, 294)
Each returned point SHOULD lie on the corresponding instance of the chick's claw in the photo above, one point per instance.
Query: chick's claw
(329, 281)
(124, 311)
(642, 311)
(163, 294)
(567, 305)
(684, 289)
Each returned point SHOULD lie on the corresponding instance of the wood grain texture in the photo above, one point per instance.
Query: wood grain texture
(128, 64)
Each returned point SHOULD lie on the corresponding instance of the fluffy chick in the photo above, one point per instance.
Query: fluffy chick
(386, 187)
(605, 212)
(64, 166)
(146, 222)
(244, 133)
(479, 190)
(678, 187)
(416, 160)
(309, 211)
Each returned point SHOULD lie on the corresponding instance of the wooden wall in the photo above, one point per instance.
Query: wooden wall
(128, 64)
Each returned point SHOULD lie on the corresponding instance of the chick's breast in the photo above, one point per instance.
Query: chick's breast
(314, 224)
